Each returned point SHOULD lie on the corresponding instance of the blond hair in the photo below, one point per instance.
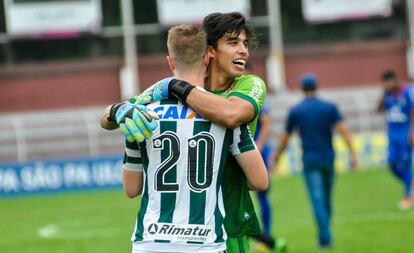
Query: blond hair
(187, 45)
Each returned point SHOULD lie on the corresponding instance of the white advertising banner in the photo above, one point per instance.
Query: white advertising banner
(172, 12)
(52, 17)
(324, 11)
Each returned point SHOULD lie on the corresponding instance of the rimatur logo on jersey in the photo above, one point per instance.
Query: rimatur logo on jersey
(153, 228)
(180, 232)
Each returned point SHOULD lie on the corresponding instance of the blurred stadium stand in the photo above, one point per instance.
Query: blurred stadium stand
(76, 132)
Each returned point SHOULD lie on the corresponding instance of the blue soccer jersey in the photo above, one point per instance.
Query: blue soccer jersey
(398, 109)
(315, 128)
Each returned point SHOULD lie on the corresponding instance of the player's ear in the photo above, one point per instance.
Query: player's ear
(171, 63)
(211, 52)
(206, 59)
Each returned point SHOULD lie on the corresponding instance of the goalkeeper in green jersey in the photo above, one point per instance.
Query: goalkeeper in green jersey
(182, 164)
(240, 100)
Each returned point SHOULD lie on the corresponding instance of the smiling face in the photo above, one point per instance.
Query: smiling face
(229, 58)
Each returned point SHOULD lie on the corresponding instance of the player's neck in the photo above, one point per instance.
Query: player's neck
(396, 90)
(310, 94)
(192, 78)
(215, 81)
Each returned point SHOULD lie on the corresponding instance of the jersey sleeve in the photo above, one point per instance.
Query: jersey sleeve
(251, 88)
(242, 140)
(132, 157)
(290, 122)
(336, 115)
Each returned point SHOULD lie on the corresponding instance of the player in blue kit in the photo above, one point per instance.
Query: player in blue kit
(315, 120)
(398, 103)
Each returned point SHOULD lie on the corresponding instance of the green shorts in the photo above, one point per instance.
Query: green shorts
(237, 244)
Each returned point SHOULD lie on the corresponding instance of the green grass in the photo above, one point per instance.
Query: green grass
(366, 219)
(366, 215)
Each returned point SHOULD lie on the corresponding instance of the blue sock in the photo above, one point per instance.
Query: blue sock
(402, 171)
(407, 181)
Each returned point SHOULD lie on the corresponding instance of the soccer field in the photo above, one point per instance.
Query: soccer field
(366, 219)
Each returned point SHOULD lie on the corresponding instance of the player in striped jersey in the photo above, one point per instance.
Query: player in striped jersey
(180, 167)
(229, 35)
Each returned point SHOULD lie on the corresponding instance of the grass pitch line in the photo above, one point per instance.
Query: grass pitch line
(48, 231)
(52, 231)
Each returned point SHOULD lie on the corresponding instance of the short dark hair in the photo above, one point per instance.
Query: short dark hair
(389, 75)
(217, 24)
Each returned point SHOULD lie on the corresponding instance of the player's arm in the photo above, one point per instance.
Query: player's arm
(132, 175)
(230, 112)
(380, 103)
(282, 144)
(241, 105)
(285, 136)
(106, 123)
(132, 181)
(249, 158)
(254, 168)
(346, 135)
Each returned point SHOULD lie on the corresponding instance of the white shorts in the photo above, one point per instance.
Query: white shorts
(152, 247)
(146, 251)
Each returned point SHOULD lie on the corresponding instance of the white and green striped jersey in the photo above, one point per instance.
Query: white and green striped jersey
(182, 206)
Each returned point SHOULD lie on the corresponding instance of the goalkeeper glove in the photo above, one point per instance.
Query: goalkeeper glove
(166, 88)
(136, 122)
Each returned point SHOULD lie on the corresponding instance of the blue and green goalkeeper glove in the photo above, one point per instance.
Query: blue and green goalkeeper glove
(156, 92)
(166, 88)
(136, 122)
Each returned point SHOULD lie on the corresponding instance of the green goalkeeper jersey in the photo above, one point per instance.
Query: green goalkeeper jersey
(241, 218)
